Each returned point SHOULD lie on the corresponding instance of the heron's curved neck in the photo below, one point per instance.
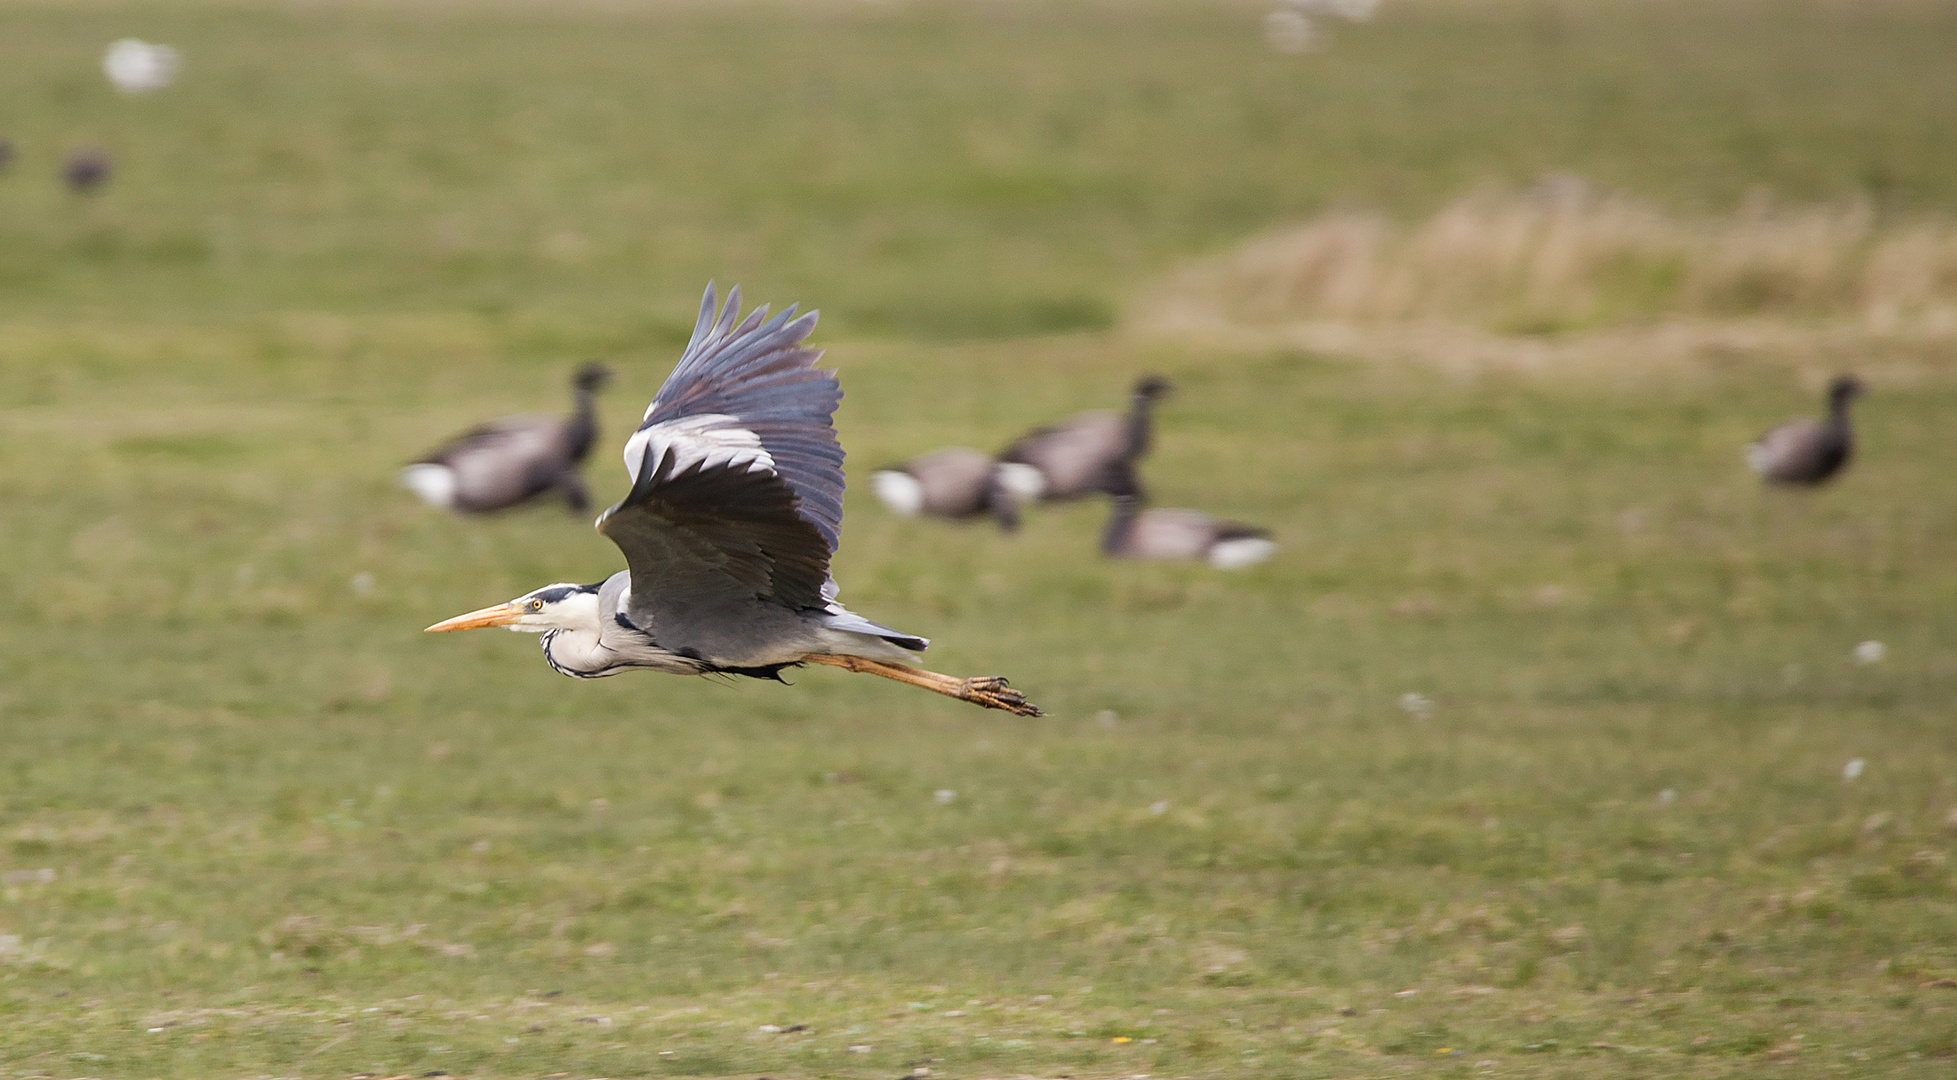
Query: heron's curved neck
(579, 653)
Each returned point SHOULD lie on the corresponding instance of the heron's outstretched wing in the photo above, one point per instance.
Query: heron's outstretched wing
(737, 478)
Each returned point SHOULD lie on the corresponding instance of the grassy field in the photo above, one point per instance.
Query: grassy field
(252, 822)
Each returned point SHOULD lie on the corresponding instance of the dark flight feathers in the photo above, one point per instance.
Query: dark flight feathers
(706, 530)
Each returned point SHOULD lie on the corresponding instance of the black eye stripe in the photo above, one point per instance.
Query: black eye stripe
(559, 592)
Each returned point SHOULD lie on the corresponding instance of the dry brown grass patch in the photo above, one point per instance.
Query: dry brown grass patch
(1563, 270)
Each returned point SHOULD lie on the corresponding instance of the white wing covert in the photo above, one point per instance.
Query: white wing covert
(737, 476)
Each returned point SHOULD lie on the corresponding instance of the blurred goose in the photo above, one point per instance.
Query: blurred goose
(1164, 533)
(1092, 452)
(957, 482)
(508, 461)
(1806, 450)
(86, 169)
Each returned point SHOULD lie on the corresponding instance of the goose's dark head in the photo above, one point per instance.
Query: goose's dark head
(1844, 389)
(1151, 387)
(592, 377)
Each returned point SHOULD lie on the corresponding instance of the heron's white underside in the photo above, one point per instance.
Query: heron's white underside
(710, 440)
(434, 483)
(900, 491)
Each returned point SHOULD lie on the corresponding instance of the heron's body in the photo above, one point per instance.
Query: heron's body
(510, 461)
(755, 638)
(1805, 450)
(1092, 452)
(1166, 533)
(957, 482)
(735, 509)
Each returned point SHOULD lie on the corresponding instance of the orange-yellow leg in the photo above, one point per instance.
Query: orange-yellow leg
(990, 691)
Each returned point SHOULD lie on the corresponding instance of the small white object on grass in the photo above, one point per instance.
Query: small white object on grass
(362, 584)
(1287, 30)
(1853, 769)
(137, 67)
(1159, 807)
(944, 796)
(1870, 652)
(1354, 10)
(1107, 718)
(1667, 797)
(1416, 705)
(1350, 10)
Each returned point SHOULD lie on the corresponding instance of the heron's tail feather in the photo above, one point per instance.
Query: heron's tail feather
(851, 623)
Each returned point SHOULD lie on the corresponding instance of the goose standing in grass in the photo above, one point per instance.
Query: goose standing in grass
(1805, 450)
(735, 509)
(510, 461)
(86, 169)
(957, 482)
(1084, 454)
(1133, 532)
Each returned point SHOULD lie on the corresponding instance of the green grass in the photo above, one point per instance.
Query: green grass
(270, 805)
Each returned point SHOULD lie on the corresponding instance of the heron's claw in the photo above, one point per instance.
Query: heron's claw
(993, 692)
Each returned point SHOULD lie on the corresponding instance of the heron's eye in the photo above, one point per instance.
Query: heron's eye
(536, 605)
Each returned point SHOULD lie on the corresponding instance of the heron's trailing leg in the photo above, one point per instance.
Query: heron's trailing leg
(989, 691)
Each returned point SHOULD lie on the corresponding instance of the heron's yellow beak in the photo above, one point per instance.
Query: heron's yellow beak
(499, 615)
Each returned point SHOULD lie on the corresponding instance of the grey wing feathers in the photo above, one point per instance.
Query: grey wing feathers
(759, 373)
(736, 480)
(697, 530)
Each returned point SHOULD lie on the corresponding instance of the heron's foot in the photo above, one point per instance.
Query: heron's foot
(987, 691)
(993, 692)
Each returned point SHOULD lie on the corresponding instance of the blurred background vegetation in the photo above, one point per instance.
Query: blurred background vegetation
(1525, 755)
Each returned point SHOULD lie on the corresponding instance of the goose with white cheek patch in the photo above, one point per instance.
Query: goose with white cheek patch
(1089, 453)
(508, 462)
(957, 482)
(1805, 450)
(1165, 533)
(735, 509)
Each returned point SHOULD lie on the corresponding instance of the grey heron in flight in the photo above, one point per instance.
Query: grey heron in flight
(1084, 454)
(735, 508)
(513, 460)
(1805, 450)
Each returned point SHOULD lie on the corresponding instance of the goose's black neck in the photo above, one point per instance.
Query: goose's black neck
(1141, 413)
(1121, 522)
(581, 430)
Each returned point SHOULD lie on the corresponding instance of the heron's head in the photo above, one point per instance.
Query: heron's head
(553, 607)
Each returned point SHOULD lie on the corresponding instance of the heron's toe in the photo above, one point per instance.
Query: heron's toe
(994, 692)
